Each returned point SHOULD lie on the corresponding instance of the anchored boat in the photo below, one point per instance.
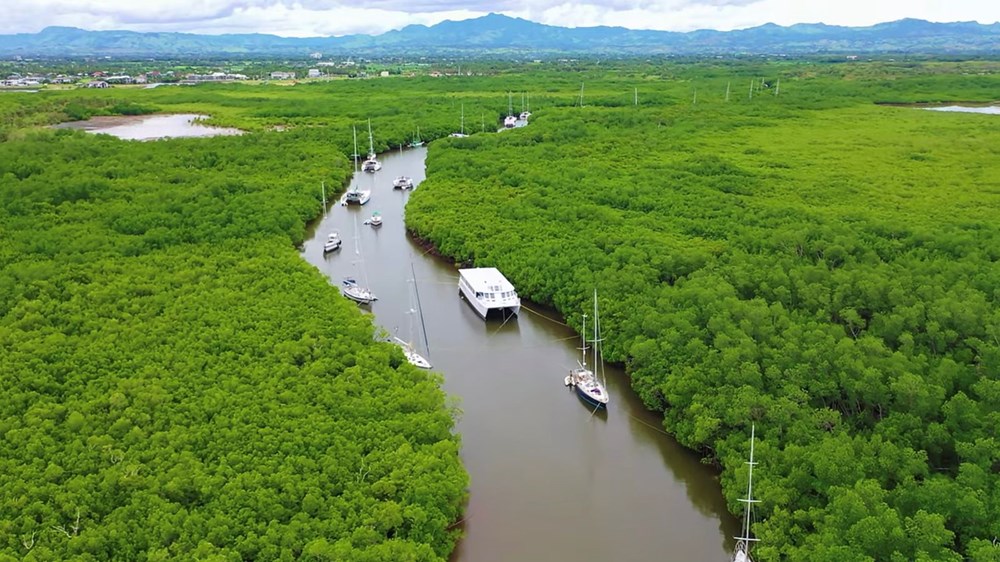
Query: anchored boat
(591, 388)
(488, 291)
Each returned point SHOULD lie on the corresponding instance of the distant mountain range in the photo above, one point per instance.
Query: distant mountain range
(498, 34)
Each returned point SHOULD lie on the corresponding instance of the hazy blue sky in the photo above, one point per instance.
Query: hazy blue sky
(336, 17)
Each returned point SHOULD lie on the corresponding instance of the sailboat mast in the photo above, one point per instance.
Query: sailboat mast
(581, 94)
(583, 336)
(744, 539)
(510, 104)
(371, 141)
(596, 335)
(463, 118)
(423, 327)
(750, 463)
(355, 148)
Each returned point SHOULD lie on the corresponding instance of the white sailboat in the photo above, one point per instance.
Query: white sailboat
(462, 133)
(588, 385)
(409, 350)
(360, 294)
(416, 140)
(354, 195)
(525, 111)
(742, 552)
(510, 121)
(371, 164)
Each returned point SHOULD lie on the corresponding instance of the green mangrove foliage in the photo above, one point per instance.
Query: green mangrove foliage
(179, 385)
(802, 259)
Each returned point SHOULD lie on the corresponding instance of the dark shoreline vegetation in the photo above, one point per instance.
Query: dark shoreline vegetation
(813, 263)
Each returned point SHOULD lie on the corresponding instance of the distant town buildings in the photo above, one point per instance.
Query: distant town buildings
(214, 77)
(314, 73)
(282, 75)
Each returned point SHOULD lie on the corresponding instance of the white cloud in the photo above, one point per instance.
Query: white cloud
(338, 17)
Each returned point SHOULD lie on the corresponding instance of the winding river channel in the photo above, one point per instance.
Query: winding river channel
(550, 481)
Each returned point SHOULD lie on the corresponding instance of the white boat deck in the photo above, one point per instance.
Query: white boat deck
(487, 289)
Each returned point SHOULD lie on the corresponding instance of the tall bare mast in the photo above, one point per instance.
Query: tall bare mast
(727, 91)
(581, 94)
(751, 89)
(355, 148)
(636, 102)
(743, 542)
(777, 87)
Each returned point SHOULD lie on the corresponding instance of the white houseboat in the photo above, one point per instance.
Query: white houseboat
(487, 290)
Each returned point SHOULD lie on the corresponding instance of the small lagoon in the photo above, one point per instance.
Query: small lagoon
(150, 127)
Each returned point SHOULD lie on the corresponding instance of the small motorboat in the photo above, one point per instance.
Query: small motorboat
(376, 220)
(402, 182)
(333, 242)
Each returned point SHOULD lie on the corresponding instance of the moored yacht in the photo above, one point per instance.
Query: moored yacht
(376, 219)
(371, 164)
(589, 387)
(402, 182)
(461, 134)
(487, 290)
(510, 121)
(333, 242)
(355, 196)
(357, 293)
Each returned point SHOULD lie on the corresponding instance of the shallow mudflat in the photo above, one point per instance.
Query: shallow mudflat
(150, 127)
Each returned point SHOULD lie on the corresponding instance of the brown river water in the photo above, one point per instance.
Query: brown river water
(550, 480)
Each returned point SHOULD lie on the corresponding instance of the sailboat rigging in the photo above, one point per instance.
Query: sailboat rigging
(462, 133)
(588, 385)
(360, 294)
(416, 140)
(371, 164)
(510, 121)
(742, 552)
(409, 349)
(354, 195)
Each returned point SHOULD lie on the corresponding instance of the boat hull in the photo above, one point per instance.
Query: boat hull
(412, 357)
(503, 308)
(586, 397)
(357, 197)
(356, 293)
(486, 312)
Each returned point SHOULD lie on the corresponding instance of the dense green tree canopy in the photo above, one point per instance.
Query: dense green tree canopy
(179, 384)
(805, 260)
